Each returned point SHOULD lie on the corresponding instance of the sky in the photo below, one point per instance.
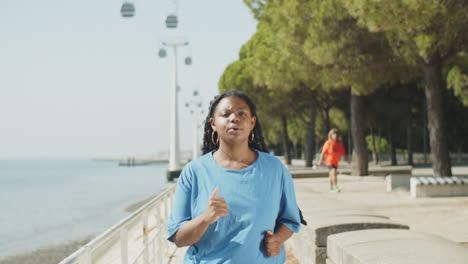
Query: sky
(79, 80)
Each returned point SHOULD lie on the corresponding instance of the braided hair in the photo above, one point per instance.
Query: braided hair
(258, 142)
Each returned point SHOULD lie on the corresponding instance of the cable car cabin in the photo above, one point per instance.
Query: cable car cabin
(162, 53)
(127, 10)
(171, 21)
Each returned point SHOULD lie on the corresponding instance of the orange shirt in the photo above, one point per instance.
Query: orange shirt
(332, 151)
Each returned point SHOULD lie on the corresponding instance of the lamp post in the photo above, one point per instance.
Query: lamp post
(128, 10)
(195, 109)
(174, 152)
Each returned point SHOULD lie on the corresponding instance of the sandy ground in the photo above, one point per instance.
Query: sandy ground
(53, 254)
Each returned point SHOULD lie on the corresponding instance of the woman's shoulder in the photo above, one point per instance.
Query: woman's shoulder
(191, 170)
(202, 161)
(269, 159)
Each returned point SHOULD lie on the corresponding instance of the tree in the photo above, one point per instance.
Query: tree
(279, 65)
(350, 57)
(240, 75)
(320, 37)
(426, 34)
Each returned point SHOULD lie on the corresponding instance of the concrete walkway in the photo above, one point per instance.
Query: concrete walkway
(447, 216)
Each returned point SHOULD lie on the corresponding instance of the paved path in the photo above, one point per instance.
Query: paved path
(446, 216)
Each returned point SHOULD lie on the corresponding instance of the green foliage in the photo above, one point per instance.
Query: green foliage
(371, 46)
(339, 120)
(416, 29)
(296, 130)
(236, 77)
(458, 81)
(381, 144)
(457, 77)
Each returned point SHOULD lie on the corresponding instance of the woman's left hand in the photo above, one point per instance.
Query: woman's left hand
(272, 244)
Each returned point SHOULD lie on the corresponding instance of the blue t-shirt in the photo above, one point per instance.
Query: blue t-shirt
(259, 198)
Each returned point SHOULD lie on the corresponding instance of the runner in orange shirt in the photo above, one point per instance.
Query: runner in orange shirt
(332, 151)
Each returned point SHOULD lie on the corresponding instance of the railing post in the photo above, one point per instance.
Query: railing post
(155, 248)
(158, 214)
(167, 211)
(145, 239)
(124, 245)
(167, 206)
(87, 255)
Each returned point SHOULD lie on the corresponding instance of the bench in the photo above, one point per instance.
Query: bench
(397, 181)
(439, 186)
(327, 217)
(393, 246)
(375, 171)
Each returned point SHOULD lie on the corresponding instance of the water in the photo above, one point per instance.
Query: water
(46, 202)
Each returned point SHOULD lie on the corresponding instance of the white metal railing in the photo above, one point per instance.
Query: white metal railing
(140, 238)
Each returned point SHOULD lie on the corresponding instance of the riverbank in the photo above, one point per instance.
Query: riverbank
(134, 206)
(53, 254)
(46, 202)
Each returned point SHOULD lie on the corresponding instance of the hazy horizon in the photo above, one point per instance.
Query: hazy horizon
(81, 81)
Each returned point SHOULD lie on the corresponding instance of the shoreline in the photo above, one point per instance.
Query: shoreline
(54, 253)
(50, 254)
(132, 207)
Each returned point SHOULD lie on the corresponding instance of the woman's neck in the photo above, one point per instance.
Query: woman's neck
(234, 157)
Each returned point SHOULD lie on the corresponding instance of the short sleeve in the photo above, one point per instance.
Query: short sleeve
(325, 147)
(289, 211)
(181, 211)
(342, 150)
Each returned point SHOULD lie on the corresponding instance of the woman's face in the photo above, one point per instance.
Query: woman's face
(334, 136)
(232, 120)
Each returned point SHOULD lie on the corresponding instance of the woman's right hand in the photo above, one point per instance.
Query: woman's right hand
(216, 208)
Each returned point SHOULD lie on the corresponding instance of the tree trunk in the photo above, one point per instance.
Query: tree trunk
(310, 133)
(295, 151)
(379, 135)
(374, 149)
(360, 159)
(438, 140)
(425, 134)
(408, 141)
(393, 158)
(327, 120)
(286, 148)
(459, 154)
(298, 151)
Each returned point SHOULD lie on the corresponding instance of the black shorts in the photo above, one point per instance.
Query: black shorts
(332, 167)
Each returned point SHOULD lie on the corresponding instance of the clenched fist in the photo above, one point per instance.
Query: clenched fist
(272, 244)
(216, 208)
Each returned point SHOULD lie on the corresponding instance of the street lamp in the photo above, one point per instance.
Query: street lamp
(174, 152)
(195, 106)
(128, 10)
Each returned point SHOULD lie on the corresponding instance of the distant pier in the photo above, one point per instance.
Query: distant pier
(131, 161)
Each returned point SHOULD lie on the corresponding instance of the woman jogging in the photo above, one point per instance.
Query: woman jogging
(332, 151)
(236, 203)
